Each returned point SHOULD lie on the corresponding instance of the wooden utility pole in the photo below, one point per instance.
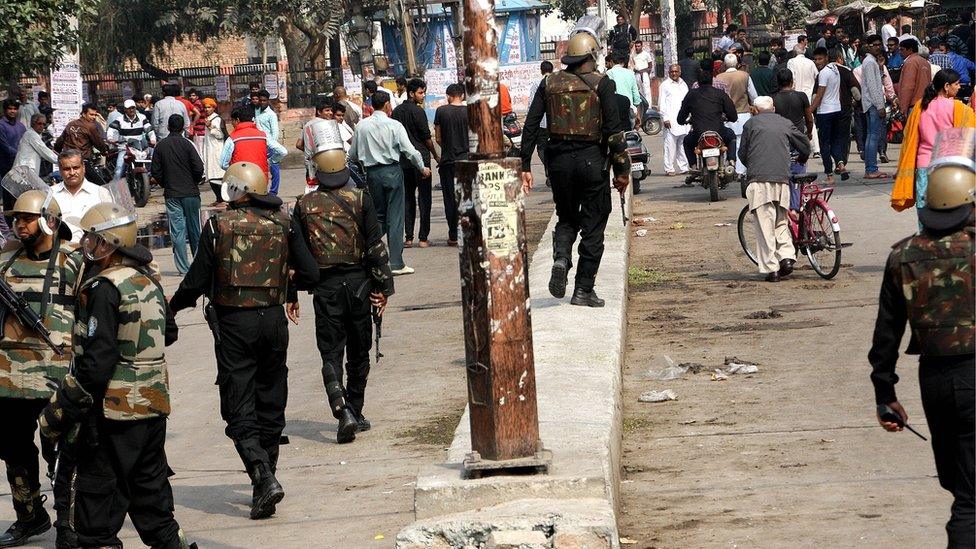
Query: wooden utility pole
(494, 271)
(408, 38)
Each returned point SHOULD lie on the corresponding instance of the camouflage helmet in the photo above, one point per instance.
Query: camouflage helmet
(112, 223)
(582, 46)
(330, 168)
(951, 190)
(243, 178)
(42, 203)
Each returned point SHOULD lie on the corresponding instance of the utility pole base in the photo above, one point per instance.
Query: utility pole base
(475, 467)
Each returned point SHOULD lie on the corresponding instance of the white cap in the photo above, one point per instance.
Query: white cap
(129, 103)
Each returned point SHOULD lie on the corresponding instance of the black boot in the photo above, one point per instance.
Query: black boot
(362, 424)
(786, 267)
(347, 427)
(66, 538)
(32, 520)
(267, 492)
(586, 298)
(557, 280)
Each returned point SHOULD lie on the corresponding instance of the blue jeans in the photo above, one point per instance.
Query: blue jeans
(275, 170)
(872, 139)
(184, 224)
(386, 188)
(119, 164)
(832, 143)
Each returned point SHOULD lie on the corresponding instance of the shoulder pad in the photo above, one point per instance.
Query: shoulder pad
(901, 243)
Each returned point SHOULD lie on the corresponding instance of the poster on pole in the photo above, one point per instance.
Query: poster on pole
(222, 87)
(790, 40)
(271, 84)
(66, 95)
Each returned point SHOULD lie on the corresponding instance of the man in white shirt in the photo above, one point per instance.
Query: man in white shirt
(75, 195)
(906, 34)
(32, 149)
(644, 67)
(672, 93)
(804, 80)
(827, 113)
(889, 30)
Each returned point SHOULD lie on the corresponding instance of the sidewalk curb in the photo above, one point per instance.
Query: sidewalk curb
(578, 359)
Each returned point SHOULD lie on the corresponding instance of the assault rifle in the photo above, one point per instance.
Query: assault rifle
(378, 321)
(13, 303)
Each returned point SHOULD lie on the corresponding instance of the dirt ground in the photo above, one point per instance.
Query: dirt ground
(791, 455)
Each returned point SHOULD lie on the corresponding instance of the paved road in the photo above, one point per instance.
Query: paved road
(791, 456)
(349, 496)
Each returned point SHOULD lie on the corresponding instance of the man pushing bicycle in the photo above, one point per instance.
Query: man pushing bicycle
(764, 150)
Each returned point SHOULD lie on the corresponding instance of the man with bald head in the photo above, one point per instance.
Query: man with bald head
(671, 94)
(765, 151)
(353, 112)
(735, 82)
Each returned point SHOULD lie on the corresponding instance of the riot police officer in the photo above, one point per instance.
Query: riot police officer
(928, 283)
(43, 267)
(242, 266)
(584, 129)
(345, 237)
(115, 400)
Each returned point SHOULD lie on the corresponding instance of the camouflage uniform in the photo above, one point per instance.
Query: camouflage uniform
(29, 369)
(582, 115)
(242, 265)
(928, 283)
(346, 239)
(120, 372)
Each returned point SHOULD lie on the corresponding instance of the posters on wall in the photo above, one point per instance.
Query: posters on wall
(520, 79)
(222, 87)
(66, 94)
(271, 84)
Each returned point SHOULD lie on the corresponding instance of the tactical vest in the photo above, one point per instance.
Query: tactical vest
(937, 279)
(139, 386)
(573, 110)
(251, 252)
(333, 226)
(29, 369)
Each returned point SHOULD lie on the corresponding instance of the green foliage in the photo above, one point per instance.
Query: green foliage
(35, 32)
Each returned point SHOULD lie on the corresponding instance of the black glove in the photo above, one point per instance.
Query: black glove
(172, 333)
(63, 413)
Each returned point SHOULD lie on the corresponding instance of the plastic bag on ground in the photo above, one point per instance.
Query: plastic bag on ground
(657, 396)
(668, 370)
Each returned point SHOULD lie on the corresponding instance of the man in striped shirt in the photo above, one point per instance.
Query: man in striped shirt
(130, 128)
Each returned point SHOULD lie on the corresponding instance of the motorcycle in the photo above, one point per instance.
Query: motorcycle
(638, 159)
(512, 129)
(714, 171)
(138, 163)
(97, 171)
(651, 124)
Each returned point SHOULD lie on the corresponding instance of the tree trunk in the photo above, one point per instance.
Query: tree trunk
(295, 43)
(635, 17)
(153, 70)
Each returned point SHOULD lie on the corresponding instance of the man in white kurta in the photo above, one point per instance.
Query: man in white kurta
(805, 80)
(672, 92)
(644, 69)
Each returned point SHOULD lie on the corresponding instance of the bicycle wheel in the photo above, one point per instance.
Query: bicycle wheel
(823, 238)
(747, 234)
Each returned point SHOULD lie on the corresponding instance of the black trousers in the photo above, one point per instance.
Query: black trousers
(253, 379)
(846, 118)
(416, 185)
(125, 473)
(343, 325)
(18, 451)
(581, 191)
(860, 128)
(446, 171)
(542, 141)
(948, 400)
(691, 141)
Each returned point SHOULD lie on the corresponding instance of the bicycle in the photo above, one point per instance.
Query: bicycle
(814, 228)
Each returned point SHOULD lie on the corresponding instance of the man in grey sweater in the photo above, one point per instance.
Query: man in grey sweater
(765, 152)
(165, 108)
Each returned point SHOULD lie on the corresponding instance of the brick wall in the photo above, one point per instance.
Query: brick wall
(223, 52)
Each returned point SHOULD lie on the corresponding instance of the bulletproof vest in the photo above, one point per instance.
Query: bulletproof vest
(29, 367)
(251, 252)
(333, 222)
(937, 279)
(139, 386)
(573, 107)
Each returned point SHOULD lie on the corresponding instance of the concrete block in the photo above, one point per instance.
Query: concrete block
(579, 539)
(517, 539)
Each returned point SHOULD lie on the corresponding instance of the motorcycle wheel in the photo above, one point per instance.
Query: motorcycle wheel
(712, 178)
(635, 183)
(652, 126)
(138, 188)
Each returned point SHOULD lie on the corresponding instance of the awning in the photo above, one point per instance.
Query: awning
(863, 7)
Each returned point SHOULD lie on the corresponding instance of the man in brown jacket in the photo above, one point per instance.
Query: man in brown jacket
(916, 75)
(82, 134)
(735, 82)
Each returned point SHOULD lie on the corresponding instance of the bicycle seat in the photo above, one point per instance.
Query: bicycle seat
(804, 178)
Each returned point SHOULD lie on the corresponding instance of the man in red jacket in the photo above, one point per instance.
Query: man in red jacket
(249, 144)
